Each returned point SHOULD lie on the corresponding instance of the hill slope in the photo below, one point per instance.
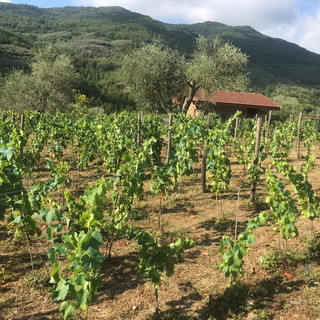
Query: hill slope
(98, 37)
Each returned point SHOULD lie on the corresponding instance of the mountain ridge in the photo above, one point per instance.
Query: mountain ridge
(97, 38)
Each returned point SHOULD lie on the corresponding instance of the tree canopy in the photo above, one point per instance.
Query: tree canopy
(215, 65)
(153, 75)
(48, 86)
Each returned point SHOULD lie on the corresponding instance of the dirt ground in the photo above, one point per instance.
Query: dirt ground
(288, 289)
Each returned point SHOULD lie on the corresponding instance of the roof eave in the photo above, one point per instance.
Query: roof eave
(217, 103)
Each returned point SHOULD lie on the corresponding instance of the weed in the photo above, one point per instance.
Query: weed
(222, 224)
(280, 259)
(169, 236)
(137, 214)
(257, 205)
(37, 281)
(313, 246)
(264, 315)
(128, 314)
(311, 278)
(5, 272)
(286, 306)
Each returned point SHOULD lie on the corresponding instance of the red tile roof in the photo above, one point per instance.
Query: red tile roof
(238, 98)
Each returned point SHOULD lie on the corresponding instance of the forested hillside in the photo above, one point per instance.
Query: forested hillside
(97, 38)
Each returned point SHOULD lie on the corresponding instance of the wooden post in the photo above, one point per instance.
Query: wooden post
(204, 162)
(299, 134)
(138, 130)
(237, 216)
(13, 117)
(22, 122)
(21, 128)
(268, 125)
(169, 137)
(3, 117)
(255, 160)
(236, 128)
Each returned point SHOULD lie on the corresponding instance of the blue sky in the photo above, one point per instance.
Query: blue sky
(46, 4)
(293, 20)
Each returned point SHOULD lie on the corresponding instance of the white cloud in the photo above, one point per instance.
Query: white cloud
(8, 1)
(293, 20)
(310, 29)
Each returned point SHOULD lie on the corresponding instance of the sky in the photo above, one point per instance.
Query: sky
(296, 21)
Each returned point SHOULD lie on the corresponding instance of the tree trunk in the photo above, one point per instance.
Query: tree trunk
(191, 94)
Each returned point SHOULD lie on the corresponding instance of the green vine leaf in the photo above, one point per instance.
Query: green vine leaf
(67, 309)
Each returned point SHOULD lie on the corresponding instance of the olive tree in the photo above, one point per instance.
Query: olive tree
(215, 65)
(48, 86)
(153, 75)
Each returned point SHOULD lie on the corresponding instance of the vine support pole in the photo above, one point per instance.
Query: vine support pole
(22, 120)
(236, 128)
(139, 131)
(256, 158)
(268, 125)
(237, 216)
(13, 116)
(298, 135)
(204, 161)
(169, 137)
(30, 253)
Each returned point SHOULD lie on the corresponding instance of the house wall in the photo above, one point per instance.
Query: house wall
(225, 112)
(193, 111)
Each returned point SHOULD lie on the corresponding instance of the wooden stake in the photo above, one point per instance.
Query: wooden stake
(236, 128)
(298, 135)
(204, 162)
(30, 253)
(169, 137)
(22, 122)
(237, 216)
(21, 128)
(138, 130)
(268, 125)
(256, 155)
